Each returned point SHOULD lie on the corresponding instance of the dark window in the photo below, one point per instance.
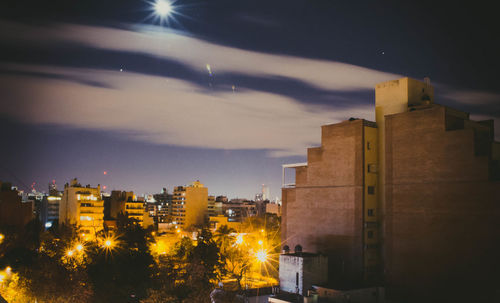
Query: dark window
(371, 246)
(368, 145)
(370, 234)
(371, 213)
(297, 279)
(372, 168)
(371, 190)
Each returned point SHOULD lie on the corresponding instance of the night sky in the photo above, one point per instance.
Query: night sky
(223, 91)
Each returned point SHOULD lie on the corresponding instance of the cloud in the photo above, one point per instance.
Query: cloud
(165, 110)
(168, 110)
(472, 97)
(258, 20)
(196, 53)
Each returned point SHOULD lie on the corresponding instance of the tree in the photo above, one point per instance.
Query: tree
(237, 263)
(124, 270)
(40, 268)
(223, 237)
(197, 266)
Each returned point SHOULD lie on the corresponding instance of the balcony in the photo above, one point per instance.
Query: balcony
(284, 170)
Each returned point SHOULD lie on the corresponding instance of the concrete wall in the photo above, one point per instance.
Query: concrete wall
(299, 272)
(196, 205)
(441, 225)
(13, 212)
(364, 295)
(324, 212)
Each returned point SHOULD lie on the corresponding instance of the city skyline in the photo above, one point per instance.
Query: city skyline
(224, 94)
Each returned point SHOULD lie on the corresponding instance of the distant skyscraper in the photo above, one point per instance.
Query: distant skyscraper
(265, 192)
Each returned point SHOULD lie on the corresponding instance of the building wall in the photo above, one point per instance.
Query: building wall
(13, 212)
(299, 272)
(442, 210)
(83, 207)
(392, 97)
(324, 212)
(50, 209)
(211, 206)
(190, 205)
(371, 221)
(218, 221)
(196, 204)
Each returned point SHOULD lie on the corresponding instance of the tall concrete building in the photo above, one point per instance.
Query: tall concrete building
(441, 198)
(189, 205)
(409, 201)
(332, 208)
(82, 206)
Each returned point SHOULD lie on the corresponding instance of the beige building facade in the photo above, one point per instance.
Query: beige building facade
(189, 205)
(82, 206)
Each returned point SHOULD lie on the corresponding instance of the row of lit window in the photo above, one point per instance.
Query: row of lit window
(86, 197)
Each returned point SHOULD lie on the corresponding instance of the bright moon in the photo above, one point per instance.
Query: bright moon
(163, 7)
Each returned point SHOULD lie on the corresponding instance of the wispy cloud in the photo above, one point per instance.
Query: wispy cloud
(166, 110)
(197, 53)
(472, 97)
(169, 110)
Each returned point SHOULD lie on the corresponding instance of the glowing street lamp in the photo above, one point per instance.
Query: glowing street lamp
(70, 253)
(2, 237)
(239, 239)
(79, 247)
(260, 242)
(261, 256)
(108, 243)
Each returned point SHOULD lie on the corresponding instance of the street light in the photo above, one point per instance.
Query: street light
(261, 256)
(79, 247)
(108, 243)
(239, 239)
(70, 253)
(1, 237)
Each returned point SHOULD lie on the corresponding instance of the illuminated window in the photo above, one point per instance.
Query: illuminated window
(371, 213)
(371, 190)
